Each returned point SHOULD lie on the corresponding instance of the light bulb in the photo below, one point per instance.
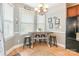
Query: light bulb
(45, 10)
(36, 9)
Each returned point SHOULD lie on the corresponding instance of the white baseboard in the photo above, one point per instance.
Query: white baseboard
(16, 46)
(13, 48)
(61, 45)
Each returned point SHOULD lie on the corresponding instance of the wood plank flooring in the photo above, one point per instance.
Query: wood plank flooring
(43, 50)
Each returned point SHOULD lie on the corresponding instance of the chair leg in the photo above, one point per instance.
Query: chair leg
(48, 45)
(35, 40)
(39, 40)
(50, 42)
(23, 46)
(55, 42)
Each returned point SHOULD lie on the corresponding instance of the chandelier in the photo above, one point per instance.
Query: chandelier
(41, 9)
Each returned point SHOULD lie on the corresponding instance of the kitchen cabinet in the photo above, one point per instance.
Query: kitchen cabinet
(72, 11)
(77, 9)
(77, 24)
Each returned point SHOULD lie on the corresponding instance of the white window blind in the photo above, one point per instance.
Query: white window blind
(26, 21)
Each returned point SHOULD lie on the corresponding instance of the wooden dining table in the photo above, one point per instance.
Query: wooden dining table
(41, 36)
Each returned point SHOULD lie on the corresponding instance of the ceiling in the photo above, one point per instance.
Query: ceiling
(36, 4)
(71, 4)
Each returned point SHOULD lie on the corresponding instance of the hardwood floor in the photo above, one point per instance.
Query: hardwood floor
(43, 50)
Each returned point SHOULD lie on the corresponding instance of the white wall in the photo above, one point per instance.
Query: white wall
(60, 12)
(2, 48)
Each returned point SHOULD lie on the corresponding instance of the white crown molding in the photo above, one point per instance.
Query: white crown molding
(22, 5)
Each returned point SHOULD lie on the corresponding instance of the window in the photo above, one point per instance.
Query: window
(8, 20)
(26, 21)
(41, 22)
(0, 24)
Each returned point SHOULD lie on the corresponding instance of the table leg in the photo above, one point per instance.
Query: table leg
(32, 40)
(49, 45)
(32, 45)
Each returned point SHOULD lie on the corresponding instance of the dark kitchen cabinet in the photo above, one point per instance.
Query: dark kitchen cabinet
(71, 27)
(71, 30)
(78, 24)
